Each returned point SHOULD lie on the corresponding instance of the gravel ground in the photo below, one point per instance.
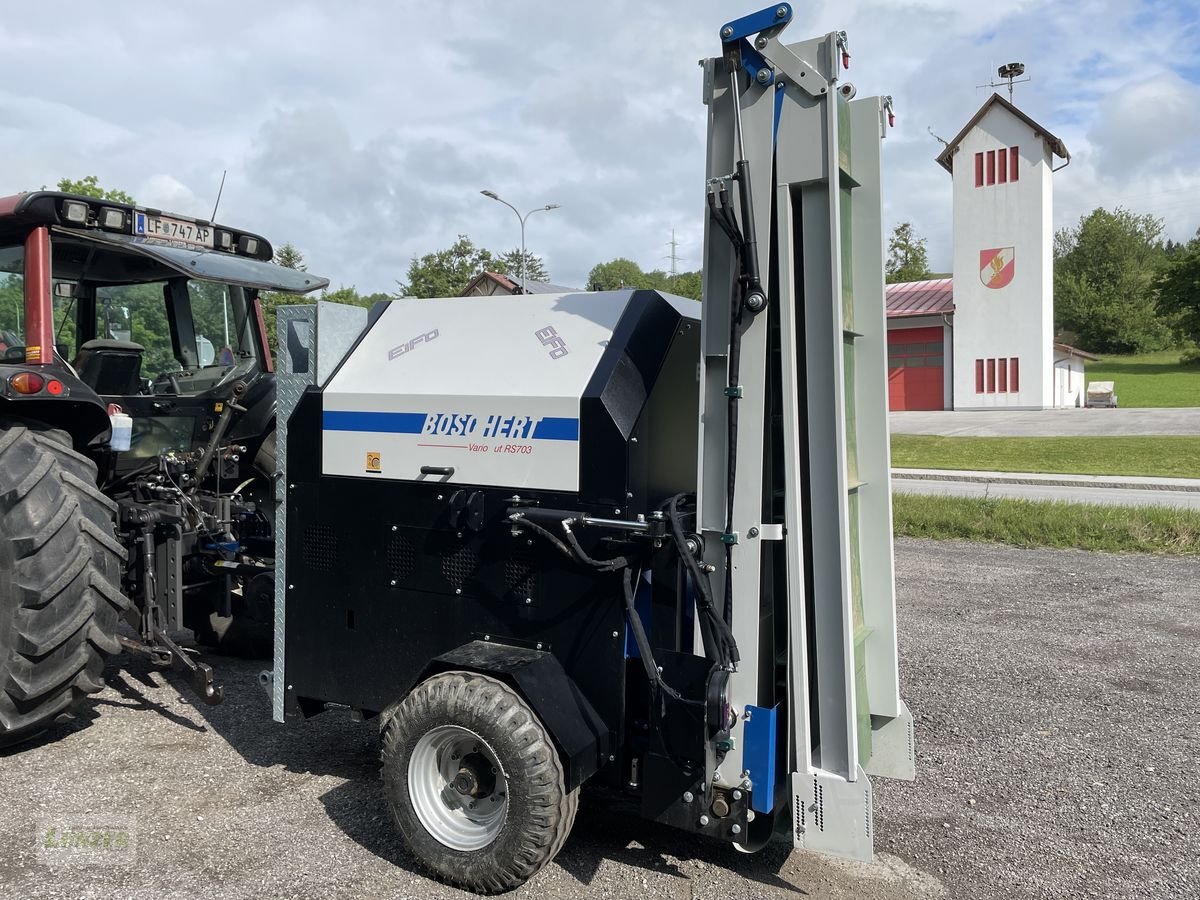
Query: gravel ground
(1056, 698)
(1058, 722)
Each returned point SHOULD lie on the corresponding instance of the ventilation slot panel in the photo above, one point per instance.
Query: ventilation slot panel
(321, 547)
(520, 576)
(401, 557)
(458, 565)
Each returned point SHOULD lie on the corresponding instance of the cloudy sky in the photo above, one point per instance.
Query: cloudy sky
(363, 132)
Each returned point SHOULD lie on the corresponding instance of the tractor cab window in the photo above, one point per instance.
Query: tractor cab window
(225, 345)
(12, 303)
(137, 313)
(210, 341)
(136, 324)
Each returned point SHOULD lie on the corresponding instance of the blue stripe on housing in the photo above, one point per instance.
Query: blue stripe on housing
(384, 422)
(553, 428)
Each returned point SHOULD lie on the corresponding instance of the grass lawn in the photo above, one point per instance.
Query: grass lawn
(1173, 456)
(1149, 379)
(1028, 523)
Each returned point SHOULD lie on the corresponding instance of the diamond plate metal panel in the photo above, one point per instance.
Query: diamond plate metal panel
(296, 355)
(312, 339)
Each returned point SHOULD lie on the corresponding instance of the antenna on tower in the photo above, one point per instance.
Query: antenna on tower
(1011, 73)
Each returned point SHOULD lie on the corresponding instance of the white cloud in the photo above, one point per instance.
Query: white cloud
(1151, 123)
(363, 133)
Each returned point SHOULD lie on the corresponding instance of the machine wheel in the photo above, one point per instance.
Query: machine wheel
(60, 576)
(474, 782)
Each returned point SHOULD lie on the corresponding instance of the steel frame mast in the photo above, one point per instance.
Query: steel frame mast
(794, 425)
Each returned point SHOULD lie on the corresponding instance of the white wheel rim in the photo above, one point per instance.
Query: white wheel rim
(460, 820)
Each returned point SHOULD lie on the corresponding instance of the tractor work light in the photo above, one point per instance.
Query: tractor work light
(75, 212)
(248, 245)
(29, 383)
(112, 219)
(224, 240)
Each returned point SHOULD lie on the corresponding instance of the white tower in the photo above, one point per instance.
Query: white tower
(1001, 163)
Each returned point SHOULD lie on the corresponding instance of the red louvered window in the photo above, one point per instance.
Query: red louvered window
(979, 169)
(991, 167)
(991, 376)
(1002, 165)
(1014, 375)
(979, 376)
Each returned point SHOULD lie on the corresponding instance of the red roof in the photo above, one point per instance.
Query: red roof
(921, 298)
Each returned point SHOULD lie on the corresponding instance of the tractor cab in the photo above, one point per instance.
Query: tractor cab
(113, 308)
(133, 357)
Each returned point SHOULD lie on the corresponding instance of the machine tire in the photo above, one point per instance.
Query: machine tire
(60, 577)
(539, 810)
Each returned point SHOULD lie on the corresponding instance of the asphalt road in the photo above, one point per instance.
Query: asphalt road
(1046, 422)
(1111, 496)
(1056, 699)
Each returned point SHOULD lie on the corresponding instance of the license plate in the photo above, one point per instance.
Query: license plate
(165, 228)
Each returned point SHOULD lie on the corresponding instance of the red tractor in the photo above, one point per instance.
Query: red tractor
(137, 444)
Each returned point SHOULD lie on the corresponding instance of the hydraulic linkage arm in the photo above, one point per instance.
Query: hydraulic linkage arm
(794, 498)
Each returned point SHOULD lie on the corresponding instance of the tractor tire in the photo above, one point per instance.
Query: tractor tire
(60, 579)
(474, 782)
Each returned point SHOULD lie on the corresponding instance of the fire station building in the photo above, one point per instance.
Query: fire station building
(985, 338)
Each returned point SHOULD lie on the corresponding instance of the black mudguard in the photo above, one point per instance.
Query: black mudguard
(579, 733)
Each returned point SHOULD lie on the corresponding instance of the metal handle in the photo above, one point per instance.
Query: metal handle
(437, 470)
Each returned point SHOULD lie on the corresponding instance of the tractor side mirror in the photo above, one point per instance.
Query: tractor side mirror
(67, 290)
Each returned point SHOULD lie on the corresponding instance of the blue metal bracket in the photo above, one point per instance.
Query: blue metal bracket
(759, 755)
(756, 64)
(768, 21)
(772, 17)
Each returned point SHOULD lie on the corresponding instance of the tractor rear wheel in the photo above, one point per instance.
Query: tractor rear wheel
(475, 782)
(60, 579)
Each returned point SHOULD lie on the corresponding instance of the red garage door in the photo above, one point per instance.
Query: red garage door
(916, 368)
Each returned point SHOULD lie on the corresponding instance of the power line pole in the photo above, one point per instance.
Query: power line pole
(674, 257)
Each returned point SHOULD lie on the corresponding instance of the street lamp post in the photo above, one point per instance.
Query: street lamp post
(491, 195)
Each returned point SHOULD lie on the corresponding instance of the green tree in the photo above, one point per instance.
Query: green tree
(615, 274)
(289, 257)
(89, 186)
(1104, 273)
(1178, 291)
(510, 264)
(444, 273)
(625, 273)
(687, 284)
(908, 258)
(12, 311)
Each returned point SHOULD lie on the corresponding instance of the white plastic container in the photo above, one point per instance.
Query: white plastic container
(122, 431)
